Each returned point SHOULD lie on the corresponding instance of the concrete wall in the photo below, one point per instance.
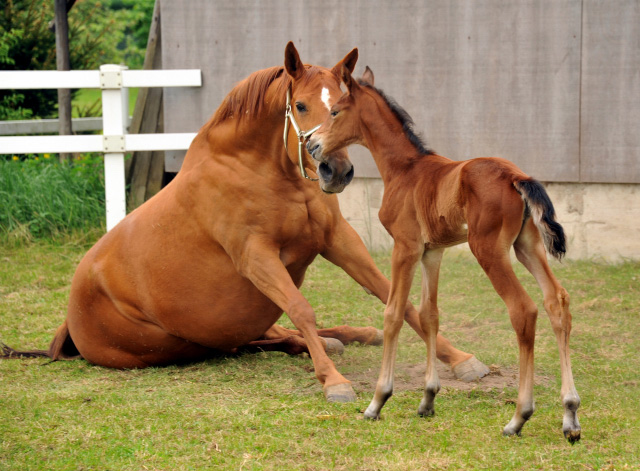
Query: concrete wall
(552, 85)
(601, 220)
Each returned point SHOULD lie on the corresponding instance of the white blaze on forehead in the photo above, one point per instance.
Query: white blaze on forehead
(324, 96)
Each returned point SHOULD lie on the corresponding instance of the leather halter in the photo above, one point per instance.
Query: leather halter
(302, 135)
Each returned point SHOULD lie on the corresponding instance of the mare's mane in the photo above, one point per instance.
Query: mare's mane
(405, 120)
(247, 99)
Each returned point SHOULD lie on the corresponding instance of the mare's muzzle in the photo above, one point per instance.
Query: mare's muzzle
(335, 173)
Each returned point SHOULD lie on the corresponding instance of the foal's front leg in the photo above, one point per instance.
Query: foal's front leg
(349, 253)
(429, 320)
(403, 265)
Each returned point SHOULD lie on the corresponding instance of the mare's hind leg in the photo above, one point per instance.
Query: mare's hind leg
(493, 256)
(346, 334)
(281, 339)
(530, 252)
(139, 346)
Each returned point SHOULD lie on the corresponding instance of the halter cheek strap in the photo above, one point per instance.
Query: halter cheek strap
(302, 135)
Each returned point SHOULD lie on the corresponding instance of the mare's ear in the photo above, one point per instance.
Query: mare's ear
(348, 80)
(292, 63)
(367, 77)
(349, 61)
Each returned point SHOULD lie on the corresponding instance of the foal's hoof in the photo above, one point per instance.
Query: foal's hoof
(342, 392)
(333, 346)
(572, 436)
(470, 370)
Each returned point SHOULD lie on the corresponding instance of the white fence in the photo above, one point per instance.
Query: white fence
(114, 80)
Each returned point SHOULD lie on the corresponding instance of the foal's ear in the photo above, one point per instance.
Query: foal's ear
(349, 61)
(348, 80)
(367, 77)
(292, 62)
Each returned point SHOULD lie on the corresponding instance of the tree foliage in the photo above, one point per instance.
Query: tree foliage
(100, 32)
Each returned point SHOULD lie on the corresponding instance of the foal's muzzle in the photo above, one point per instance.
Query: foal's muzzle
(335, 170)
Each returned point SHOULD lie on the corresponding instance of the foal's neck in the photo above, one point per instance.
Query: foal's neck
(387, 141)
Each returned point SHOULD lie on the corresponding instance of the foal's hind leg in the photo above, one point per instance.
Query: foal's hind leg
(530, 252)
(493, 256)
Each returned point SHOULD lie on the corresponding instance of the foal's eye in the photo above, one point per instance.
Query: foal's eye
(300, 107)
(334, 113)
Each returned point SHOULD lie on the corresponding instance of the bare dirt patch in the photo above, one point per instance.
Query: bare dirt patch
(409, 377)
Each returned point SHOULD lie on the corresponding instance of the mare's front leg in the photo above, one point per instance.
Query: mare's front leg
(349, 253)
(260, 263)
(403, 265)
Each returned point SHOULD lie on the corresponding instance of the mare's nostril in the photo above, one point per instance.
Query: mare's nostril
(325, 172)
(349, 176)
(311, 148)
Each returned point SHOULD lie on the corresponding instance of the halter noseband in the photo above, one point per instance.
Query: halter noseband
(302, 135)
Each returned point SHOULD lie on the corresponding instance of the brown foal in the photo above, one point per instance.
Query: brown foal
(431, 203)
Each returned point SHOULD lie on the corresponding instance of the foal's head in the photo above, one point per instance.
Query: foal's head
(343, 126)
(314, 90)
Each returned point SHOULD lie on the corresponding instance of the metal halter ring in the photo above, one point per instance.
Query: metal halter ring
(302, 135)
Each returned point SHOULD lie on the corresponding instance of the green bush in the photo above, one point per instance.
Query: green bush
(43, 198)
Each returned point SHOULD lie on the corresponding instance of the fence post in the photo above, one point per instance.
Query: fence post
(115, 108)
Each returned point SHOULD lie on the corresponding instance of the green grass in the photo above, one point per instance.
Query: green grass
(267, 411)
(91, 98)
(41, 197)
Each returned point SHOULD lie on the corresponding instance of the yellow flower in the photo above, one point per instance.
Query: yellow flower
(15, 157)
(46, 156)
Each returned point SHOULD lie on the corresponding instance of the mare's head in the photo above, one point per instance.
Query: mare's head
(313, 92)
(343, 126)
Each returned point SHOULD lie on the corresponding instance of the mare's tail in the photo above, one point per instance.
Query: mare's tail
(61, 348)
(544, 216)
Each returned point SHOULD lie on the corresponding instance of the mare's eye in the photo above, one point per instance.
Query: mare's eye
(300, 107)
(334, 113)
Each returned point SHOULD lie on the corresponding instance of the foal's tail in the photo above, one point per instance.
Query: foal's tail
(541, 209)
(61, 348)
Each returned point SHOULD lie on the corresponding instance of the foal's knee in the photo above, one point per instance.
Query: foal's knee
(392, 322)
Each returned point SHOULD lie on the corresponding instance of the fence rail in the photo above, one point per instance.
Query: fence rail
(114, 80)
(47, 126)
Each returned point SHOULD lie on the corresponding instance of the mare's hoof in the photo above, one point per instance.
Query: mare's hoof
(572, 435)
(378, 339)
(333, 346)
(470, 370)
(342, 392)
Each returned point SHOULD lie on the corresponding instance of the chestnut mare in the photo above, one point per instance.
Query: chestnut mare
(431, 203)
(210, 263)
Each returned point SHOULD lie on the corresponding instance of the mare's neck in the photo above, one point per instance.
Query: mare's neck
(255, 142)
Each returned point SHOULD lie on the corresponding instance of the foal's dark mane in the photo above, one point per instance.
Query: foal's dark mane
(404, 118)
